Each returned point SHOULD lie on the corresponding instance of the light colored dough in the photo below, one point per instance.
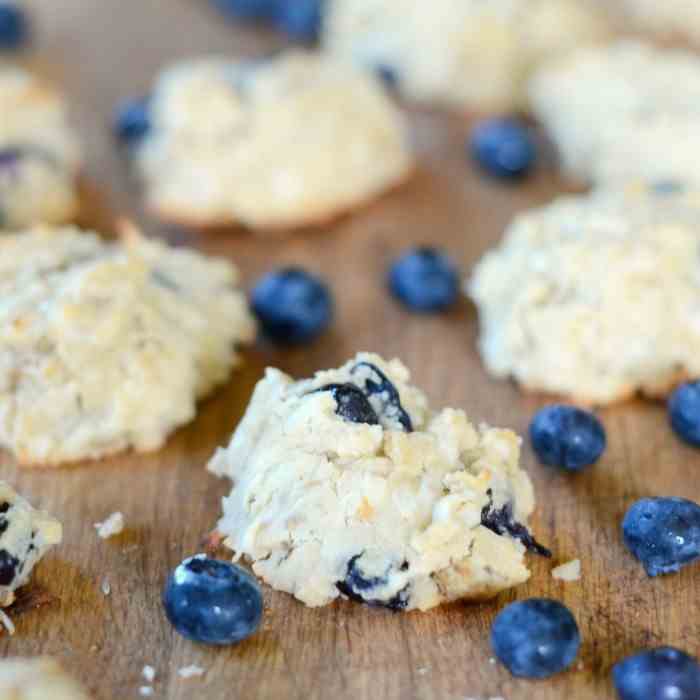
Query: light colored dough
(676, 18)
(626, 112)
(282, 143)
(38, 186)
(109, 346)
(26, 534)
(466, 53)
(315, 496)
(594, 297)
(37, 679)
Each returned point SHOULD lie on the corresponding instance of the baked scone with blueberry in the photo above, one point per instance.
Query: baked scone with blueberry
(673, 18)
(349, 484)
(594, 297)
(106, 346)
(627, 119)
(281, 143)
(464, 53)
(26, 535)
(39, 153)
(37, 679)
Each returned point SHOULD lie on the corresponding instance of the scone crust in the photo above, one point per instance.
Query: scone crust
(286, 143)
(37, 679)
(106, 346)
(318, 501)
(594, 297)
(464, 53)
(39, 153)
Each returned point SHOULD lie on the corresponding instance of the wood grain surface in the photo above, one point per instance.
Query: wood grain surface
(102, 51)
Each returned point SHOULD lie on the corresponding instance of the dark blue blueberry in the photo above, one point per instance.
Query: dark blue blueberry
(10, 156)
(503, 148)
(658, 674)
(663, 533)
(132, 120)
(378, 387)
(358, 587)
(388, 75)
(14, 26)
(8, 567)
(503, 522)
(212, 601)
(292, 305)
(424, 280)
(300, 19)
(258, 10)
(567, 437)
(684, 412)
(351, 404)
(535, 638)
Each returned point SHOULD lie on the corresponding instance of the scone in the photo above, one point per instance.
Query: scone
(675, 18)
(594, 297)
(281, 143)
(108, 346)
(26, 535)
(39, 153)
(465, 53)
(37, 679)
(618, 114)
(350, 484)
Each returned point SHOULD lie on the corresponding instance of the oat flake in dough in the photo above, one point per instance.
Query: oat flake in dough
(105, 346)
(39, 153)
(595, 297)
(404, 513)
(281, 143)
(466, 53)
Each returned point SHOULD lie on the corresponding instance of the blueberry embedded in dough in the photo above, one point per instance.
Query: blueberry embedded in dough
(26, 534)
(326, 506)
(351, 404)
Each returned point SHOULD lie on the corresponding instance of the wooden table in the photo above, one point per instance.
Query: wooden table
(102, 51)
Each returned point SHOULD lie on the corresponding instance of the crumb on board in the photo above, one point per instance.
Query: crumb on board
(423, 670)
(146, 691)
(190, 671)
(110, 527)
(571, 571)
(149, 673)
(105, 587)
(7, 623)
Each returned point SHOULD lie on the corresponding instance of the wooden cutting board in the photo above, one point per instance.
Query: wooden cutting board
(102, 51)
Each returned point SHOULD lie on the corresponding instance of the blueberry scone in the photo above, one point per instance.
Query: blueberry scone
(350, 484)
(677, 18)
(627, 119)
(26, 535)
(466, 53)
(279, 143)
(37, 679)
(594, 297)
(39, 153)
(105, 346)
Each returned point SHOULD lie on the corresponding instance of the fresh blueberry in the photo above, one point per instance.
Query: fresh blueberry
(684, 412)
(8, 567)
(502, 521)
(358, 587)
(567, 437)
(664, 673)
(535, 638)
(300, 19)
(504, 148)
(379, 389)
(292, 305)
(388, 75)
(351, 404)
(663, 533)
(258, 10)
(424, 280)
(14, 26)
(132, 120)
(212, 601)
